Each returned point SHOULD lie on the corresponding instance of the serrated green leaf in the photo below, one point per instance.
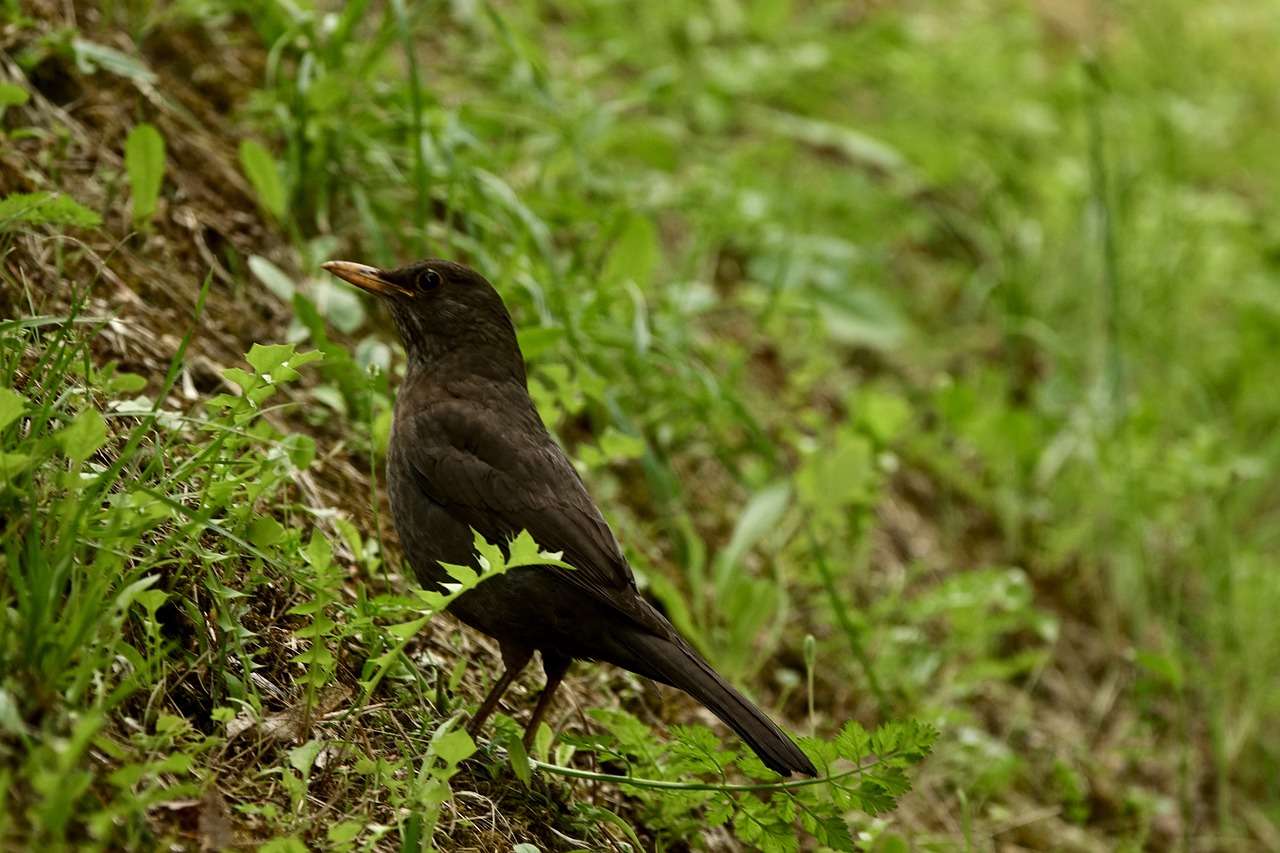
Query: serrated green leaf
(242, 378)
(488, 554)
(718, 810)
(833, 831)
(874, 798)
(698, 750)
(151, 600)
(272, 361)
(464, 575)
(853, 743)
(46, 208)
(524, 551)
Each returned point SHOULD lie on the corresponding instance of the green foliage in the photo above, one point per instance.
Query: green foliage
(144, 161)
(99, 539)
(908, 330)
(861, 770)
(44, 208)
(260, 167)
(11, 95)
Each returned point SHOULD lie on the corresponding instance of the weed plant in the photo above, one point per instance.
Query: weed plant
(922, 356)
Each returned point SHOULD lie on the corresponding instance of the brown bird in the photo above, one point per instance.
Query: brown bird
(469, 451)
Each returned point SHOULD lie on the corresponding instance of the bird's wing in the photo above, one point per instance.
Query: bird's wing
(500, 480)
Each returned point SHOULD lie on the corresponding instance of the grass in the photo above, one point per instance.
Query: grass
(921, 356)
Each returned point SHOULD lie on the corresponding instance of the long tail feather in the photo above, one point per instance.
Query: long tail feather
(677, 664)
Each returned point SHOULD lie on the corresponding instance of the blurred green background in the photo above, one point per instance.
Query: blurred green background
(943, 332)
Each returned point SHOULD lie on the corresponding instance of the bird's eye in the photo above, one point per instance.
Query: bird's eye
(429, 280)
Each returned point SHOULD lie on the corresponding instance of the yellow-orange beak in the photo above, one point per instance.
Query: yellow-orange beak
(365, 277)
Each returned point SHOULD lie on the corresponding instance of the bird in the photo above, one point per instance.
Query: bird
(468, 452)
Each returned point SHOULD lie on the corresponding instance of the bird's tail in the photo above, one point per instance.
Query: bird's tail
(676, 663)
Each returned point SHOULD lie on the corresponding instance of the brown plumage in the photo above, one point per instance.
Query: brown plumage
(468, 450)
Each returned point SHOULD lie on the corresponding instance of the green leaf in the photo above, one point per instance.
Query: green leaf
(464, 575)
(46, 208)
(519, 760)
(12, 464)
(275, 279)
(853, 743)
(698, 750)
(318, 553)
(90, 56)
(833, 831)
(860, 316)
(760, 516)
(883, 415)
(347, 830)
(893, 843)
(11, 95)
(265, 531)
(525, 552)
(264, 174)
(490, 555)
(405, 630)
(635, 253)
(125, 383)
(618, 445)
(453, 747)
(719, 810)
(144, 161)
(302, 757)
(536, 340)
(340, 304)
(12, 405)
(845, 475)
(84, 435)
(301, 449)
(240, 377)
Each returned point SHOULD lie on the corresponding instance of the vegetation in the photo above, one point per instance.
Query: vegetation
(920, 354)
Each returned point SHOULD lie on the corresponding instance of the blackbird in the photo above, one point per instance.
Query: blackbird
(469, 451)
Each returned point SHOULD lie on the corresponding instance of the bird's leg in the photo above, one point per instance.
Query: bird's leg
(514, 660)
(555, 667)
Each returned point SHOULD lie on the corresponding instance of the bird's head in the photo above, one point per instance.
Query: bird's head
(437, 306)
